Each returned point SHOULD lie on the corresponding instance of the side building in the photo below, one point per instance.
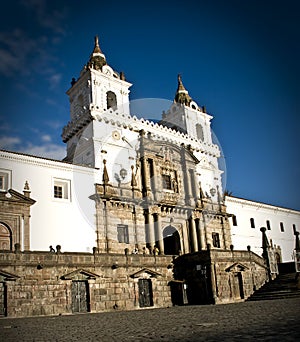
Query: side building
(135, 214)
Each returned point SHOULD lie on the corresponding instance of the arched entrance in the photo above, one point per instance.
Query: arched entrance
(5, 237)
(171, 241)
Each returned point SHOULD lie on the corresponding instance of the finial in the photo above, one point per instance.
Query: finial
(180, 84)
(97, 47)
(105, 177)
(182, 96)
(26, 186)
(26, 190)
(97, 58)
(133, 180)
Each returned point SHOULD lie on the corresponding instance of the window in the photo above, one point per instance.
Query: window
(61, 189)
(111, 100)
(268, 225)
(234, 220)
(167, 182)
(199, 132)
(252, 223)
(122, 230)
(294, 228)
(216, 240)
(2, 182)
(5, 179)
(281, 227)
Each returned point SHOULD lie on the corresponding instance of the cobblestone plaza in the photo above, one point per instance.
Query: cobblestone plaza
(270, 320)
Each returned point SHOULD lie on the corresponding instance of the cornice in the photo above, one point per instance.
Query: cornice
(45, 162)
(260, 205)
(157, 131)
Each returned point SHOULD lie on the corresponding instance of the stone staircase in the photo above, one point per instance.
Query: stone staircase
(284, 286)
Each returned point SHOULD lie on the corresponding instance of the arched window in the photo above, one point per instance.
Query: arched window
(252, 223)
(199, 132)
(111, 100)
(5, 237)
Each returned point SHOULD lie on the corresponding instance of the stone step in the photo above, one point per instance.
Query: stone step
(275, 295)
(284, 286)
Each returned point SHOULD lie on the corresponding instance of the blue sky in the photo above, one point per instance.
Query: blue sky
(238, 58)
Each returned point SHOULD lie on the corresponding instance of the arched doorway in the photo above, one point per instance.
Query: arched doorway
(171, 241)
(5, 237)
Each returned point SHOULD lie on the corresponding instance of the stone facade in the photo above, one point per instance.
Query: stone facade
(15, 218)
(145, 197)
(219, 276)
(44, 283)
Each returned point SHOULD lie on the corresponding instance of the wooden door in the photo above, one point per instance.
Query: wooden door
(3, 299)
(145, 293)
(80, 296)
(238, 289)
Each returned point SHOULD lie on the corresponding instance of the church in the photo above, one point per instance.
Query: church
(135, 216)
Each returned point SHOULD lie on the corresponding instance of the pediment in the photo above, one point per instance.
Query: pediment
(80, 275)
(145, 272)
(236, 267)
(6, 276)
(14, 196)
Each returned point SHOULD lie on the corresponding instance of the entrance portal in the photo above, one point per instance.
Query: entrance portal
(238, 290)
(3, 299)
(5, 237)
(80, 296)
(145, 293)
(171, 241)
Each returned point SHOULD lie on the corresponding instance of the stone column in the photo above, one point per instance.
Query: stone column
(186, 178)
(144, 171)
(149, 226)
(158, 233)
(200, 237)
(153, 178)
(193, 235)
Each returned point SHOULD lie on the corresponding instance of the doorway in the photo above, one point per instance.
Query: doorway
(238, 289)
(145, 293)
(80, 296)
(171, 241)
(3, 299)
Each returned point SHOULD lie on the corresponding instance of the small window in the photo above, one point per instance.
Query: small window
(252, 223)
(111, 100)
(167, 184)
(5, 179)
(199, 131)
(281, 227)
(294, 228)
(61, 189)
(2, 182)
(216, 240)
(268, 225)
(122, 230)
(234, 220)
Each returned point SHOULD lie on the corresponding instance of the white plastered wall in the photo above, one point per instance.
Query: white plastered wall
(243, 235)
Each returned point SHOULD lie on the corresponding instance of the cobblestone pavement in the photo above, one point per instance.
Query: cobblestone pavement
(270, 320)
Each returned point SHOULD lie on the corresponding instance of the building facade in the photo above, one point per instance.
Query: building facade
(135, 211)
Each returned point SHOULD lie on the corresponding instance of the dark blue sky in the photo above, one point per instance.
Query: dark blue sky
(238, 58)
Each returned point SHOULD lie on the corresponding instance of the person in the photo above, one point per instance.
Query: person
(52, 250)
(155, 250)
(135, 251)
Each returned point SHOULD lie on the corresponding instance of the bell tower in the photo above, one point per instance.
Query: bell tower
(98, 90)
(186, 116)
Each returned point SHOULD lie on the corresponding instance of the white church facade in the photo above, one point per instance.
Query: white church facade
(131, 196)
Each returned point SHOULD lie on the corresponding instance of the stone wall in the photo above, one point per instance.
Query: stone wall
(40, 283)
(220, 276)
